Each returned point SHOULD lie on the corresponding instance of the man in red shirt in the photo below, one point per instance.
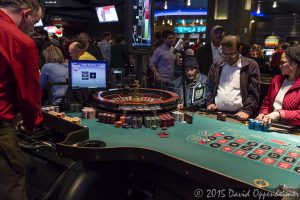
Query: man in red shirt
(20, 89)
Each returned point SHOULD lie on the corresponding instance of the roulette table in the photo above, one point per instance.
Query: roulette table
(136, 100)
(234, 156)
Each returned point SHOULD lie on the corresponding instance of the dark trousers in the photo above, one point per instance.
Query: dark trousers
(12, 167)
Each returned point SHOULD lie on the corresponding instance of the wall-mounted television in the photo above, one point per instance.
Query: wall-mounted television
(87, 74)
(139, 25)
(107, 14)
(53, 30)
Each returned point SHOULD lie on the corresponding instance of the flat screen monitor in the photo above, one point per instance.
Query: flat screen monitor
(86, 74)
(107, 14)
(141, 27)
(269, 52)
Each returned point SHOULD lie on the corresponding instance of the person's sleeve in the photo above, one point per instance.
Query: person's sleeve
(265, 107)
(177, 87)
(43, 78)
(202, 102)
(251, 104)
(291, 115)
(153, 59)
(209, 97)
(29, 93)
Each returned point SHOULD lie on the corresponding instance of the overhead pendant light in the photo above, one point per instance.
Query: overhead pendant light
(163, 23)
(201, 21)
(197, 21)
(183, 22)
(258, 8)
(188, 2)
(171, 23)
(166, 5)
(274, 4)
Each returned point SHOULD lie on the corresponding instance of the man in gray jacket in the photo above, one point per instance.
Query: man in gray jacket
(233, 82)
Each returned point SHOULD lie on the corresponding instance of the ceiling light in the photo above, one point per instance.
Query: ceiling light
(188, 2)
(166, 5)
(163, 23)
(252, 21)
(197, 21)
(171, 23)
(258, 8)
(183, 22)
(201, 21)
(274, 4)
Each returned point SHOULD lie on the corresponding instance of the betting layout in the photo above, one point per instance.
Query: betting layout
(260, 148)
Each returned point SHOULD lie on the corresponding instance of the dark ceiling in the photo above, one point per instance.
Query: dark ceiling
(284, 7)
(83, 11)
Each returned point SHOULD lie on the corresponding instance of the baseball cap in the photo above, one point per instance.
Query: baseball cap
(214, 28)
(189, 52)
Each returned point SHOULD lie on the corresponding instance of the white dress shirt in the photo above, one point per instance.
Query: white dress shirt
(229, 90)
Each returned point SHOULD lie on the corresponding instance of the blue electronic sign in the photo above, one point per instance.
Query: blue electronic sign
(189, 29)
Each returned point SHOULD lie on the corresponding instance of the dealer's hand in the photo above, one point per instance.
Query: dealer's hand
(21, 127)
(212, 107)
(242, 116)
(270, 117)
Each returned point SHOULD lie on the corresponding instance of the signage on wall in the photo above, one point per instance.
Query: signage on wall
(272, 41)
(189, 29)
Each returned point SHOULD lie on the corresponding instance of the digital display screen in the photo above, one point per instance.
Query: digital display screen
(190, 29)
(107, 14)
(88, 74)
(141, 23)
(269, 52)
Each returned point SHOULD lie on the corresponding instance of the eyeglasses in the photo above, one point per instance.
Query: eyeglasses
(282, 62)
(231, 55)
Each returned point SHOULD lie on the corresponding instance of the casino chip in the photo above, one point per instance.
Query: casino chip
(260, 183)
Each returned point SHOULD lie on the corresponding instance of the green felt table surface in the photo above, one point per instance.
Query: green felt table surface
(183, 144)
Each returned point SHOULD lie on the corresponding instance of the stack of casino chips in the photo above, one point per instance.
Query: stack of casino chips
(107, 118)
(152, 122)
(257, 125)
(179, 116)
(75, 107)
(128, 120)
(137, 122)
(50, 108)
(75, 120)
(167, 120)
(88, 113)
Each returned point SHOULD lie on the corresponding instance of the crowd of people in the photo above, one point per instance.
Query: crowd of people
(229, 74)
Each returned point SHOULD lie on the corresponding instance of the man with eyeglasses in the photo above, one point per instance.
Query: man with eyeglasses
(233, 82)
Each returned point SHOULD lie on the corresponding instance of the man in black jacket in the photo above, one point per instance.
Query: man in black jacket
(210, 52)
